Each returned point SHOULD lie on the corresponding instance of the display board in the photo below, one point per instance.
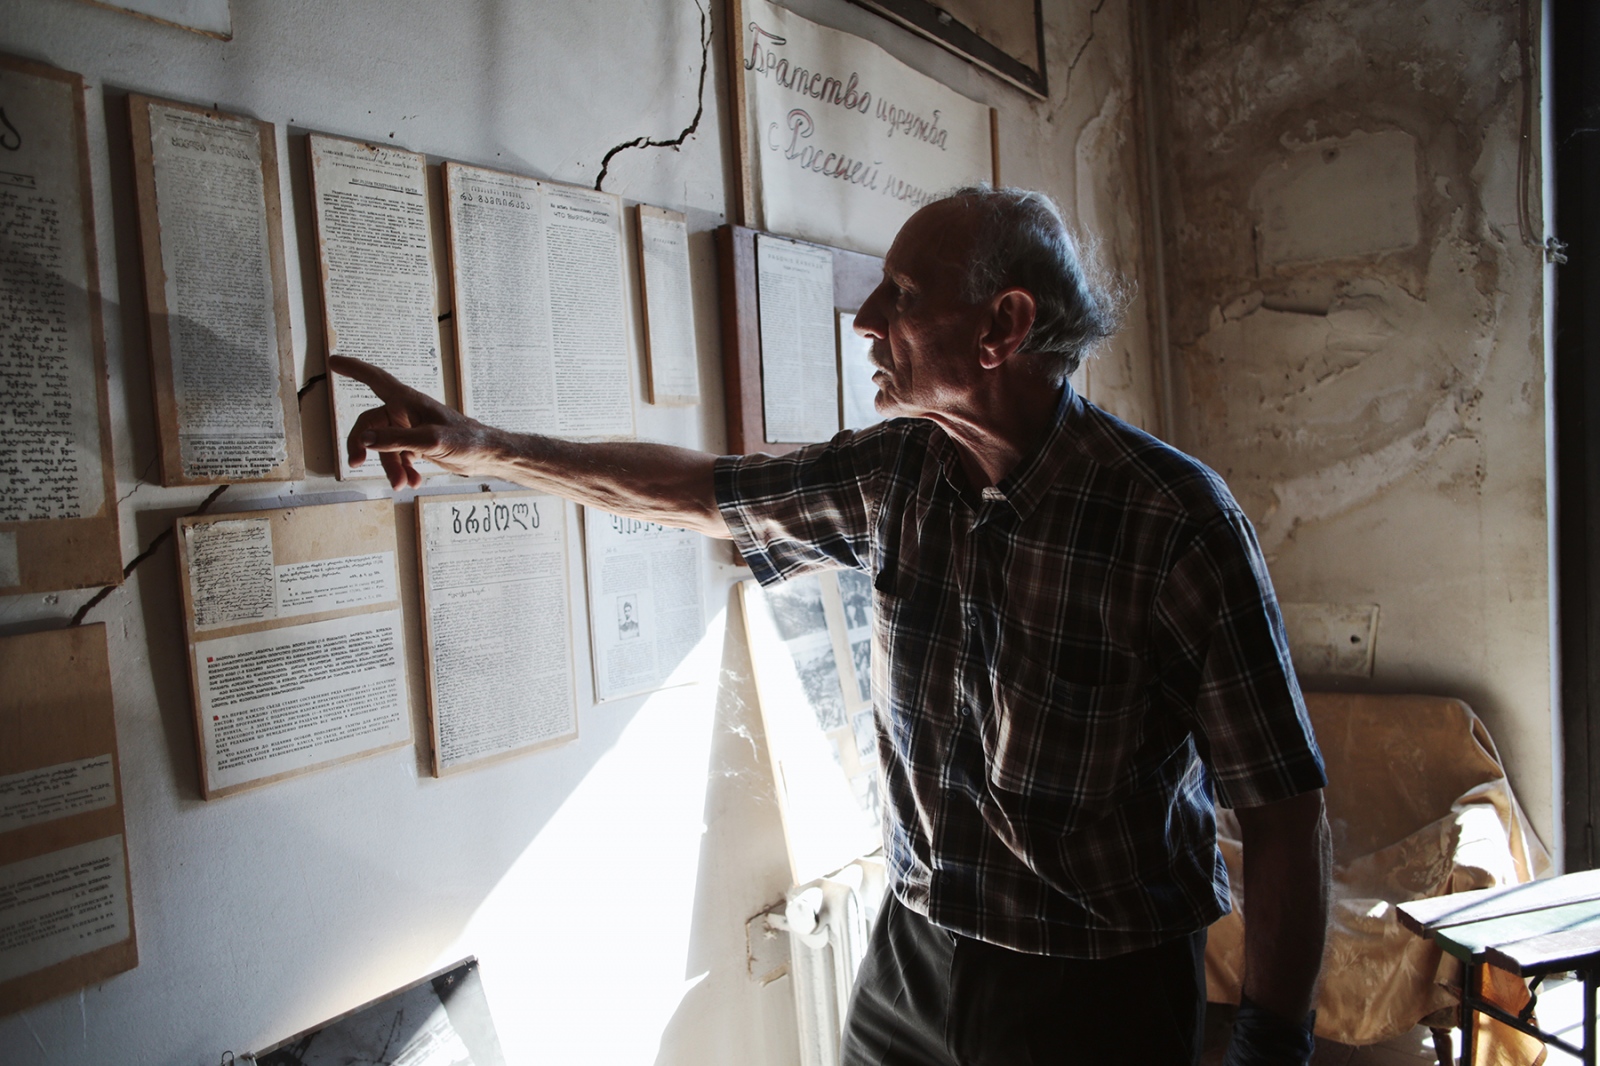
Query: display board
(672, 362)
(441, 1020)
(296, 640)
(375, 254)
(66, 911)
(221, 354)
(854, 277)
(541, 322)
(58, 513)
(811, 652)
(645, 612)
(836, 140)
(497, 634)
(799, 357)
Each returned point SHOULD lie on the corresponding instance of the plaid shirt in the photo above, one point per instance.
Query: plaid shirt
(1068, 668)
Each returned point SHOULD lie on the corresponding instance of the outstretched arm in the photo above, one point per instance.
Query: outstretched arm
(1288, 861)
(655, 482)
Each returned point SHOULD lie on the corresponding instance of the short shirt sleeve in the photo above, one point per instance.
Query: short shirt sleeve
(1224, 648)
(805, 511)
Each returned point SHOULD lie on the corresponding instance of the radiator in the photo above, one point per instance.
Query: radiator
(828, 922)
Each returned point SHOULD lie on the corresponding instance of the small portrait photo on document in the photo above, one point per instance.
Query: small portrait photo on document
(627, 617)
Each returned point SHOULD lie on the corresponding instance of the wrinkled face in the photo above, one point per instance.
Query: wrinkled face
(924, 333)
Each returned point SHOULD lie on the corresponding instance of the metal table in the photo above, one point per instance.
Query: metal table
(1530, 930)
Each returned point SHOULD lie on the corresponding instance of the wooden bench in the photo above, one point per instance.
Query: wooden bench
(1531, 930)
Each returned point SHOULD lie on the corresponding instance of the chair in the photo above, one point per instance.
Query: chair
(1419, 806)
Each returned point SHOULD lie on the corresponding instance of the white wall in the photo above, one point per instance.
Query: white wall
(605, 884)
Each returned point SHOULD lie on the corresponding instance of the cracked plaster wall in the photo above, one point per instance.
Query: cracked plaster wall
(603, 884)
(1356, 328)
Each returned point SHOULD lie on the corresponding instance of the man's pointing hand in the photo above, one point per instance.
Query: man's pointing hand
(411, 426)
(655, 482)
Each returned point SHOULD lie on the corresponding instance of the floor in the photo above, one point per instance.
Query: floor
(1560, 1012)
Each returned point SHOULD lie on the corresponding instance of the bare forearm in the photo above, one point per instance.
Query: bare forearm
(1287, 867)
(655, 482)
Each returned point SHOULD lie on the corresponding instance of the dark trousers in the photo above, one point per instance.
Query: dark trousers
(928, 997)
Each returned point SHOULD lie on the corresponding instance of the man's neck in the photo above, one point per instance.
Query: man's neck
(1001, 430)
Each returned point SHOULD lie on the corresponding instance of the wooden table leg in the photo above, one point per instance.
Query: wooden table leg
(1471, 986)
(1588, 1017)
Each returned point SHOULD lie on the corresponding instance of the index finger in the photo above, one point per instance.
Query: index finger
(386, 385)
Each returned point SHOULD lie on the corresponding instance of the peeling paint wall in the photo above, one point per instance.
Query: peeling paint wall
(605, 884)
(1356, 327)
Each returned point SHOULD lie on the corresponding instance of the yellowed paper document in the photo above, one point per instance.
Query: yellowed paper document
(541, 324)
(644, 601)
(499, 636)
(799, 368)
(49, 423)
(290, 698)
(62, 904)
(669, 307)
(222, 324)
(376, 251)
(50, 792)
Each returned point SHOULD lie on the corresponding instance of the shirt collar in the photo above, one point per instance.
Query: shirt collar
(1030, 480)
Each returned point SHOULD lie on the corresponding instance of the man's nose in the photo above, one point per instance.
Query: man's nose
(869, 320)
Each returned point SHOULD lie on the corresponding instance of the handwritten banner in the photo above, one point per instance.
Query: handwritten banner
(843, 141)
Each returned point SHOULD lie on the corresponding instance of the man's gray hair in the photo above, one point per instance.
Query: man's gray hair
(1022, 240)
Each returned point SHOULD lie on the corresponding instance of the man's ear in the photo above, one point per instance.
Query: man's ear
(1011, 315)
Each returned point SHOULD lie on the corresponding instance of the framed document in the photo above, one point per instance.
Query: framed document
(221, 356)
(645, 614)
(375, 253)
(854, 277)
(66, 912)
(1005, 37)
(810, 647)
(296, 640)
(540, 320)
(58, 507)
(672, 361)
(837, 141)
(496, 624)
(799, 367)
(441, 1020)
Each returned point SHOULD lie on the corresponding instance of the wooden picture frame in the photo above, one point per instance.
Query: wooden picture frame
(657, 391)
(50, 554)
(326, 156)
(947, 30)
(855, 275)
(57, 719)
(430, 595)
(325, 534)
(158, 317)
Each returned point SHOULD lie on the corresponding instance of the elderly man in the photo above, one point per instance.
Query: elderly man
(1078, 652)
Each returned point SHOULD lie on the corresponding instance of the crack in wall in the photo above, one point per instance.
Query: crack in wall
(149, 550)
(700, 108)
(1082, 48)
(300, 397)
(144, 475)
